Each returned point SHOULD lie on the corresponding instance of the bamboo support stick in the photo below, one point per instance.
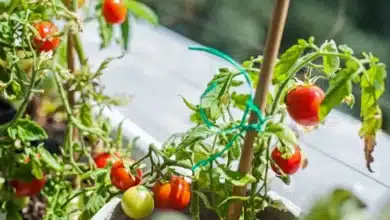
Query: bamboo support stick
(275, 33)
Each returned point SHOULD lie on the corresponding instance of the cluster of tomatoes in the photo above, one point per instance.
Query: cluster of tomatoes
(114, 12)
(138, 201)
(303, 105)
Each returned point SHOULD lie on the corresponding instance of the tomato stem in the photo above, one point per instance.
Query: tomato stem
(195, 200)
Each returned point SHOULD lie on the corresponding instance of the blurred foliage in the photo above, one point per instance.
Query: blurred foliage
(239, 27)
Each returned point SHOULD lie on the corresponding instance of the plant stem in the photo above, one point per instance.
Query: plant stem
(274, 38)
(195, 201)
(169, 161)
(79, 49)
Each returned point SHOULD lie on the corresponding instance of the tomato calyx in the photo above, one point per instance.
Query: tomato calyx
(285, 165)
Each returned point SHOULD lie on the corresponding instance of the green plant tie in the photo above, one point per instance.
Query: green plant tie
(243, 126)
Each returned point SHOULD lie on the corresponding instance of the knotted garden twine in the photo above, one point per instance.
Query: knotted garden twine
(250, 106)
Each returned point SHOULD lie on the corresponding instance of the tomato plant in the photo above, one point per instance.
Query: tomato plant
(208, 150)
(289, 164)
(34, 51)
(122, 178)
(43, 63)
(137, 202)
(175, 194)
(303, 104)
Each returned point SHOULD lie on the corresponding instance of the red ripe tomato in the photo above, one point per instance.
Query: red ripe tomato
(175, 194)
(303, 104)
(289, 165)
(45, 42)
(31, 188)
(121, 178)
(114, 11)
(102, 159)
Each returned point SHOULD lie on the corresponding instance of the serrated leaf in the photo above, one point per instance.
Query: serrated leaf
(26, 130)
(140, 10)
(204, 199)
(340, 87)
(125, 32)
(189, 105)
(286, 62)
(49, 159)
(198, 133)
(36, 170)
(105, 31)
(345, 49)
(235, 177)
(239, 100)
(86, 115)
(331, 63)
(337, 205)
(105, 64)
(283, 132)
(94, 204)
(373, 86)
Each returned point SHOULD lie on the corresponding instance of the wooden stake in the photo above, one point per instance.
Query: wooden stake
(275, 33)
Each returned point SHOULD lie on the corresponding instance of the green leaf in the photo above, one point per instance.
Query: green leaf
(189, 105)
(105, 64)
(119, 134)
(36, 170)
(140, 10)
(125, 31)
(283, 132)
(239, 100)
(12, 212)
(26, 130)
(340, 87)
(331, 63)
(105, 31)
(339, 205)
(95, 203)
(198, 133)
(345, 49)
(373, 86)
(235, 177)
(86, 115)
(49, 159)
(195, 118)
(199, 153)
(286, 62)
(204, 199)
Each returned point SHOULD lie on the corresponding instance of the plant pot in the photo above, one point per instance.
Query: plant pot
(113, 210)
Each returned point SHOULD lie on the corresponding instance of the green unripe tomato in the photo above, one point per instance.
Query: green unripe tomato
(137, 202)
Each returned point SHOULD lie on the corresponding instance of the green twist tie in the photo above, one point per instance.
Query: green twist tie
(250, 106)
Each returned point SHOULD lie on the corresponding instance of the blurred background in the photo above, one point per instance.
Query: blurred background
(239, 27)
